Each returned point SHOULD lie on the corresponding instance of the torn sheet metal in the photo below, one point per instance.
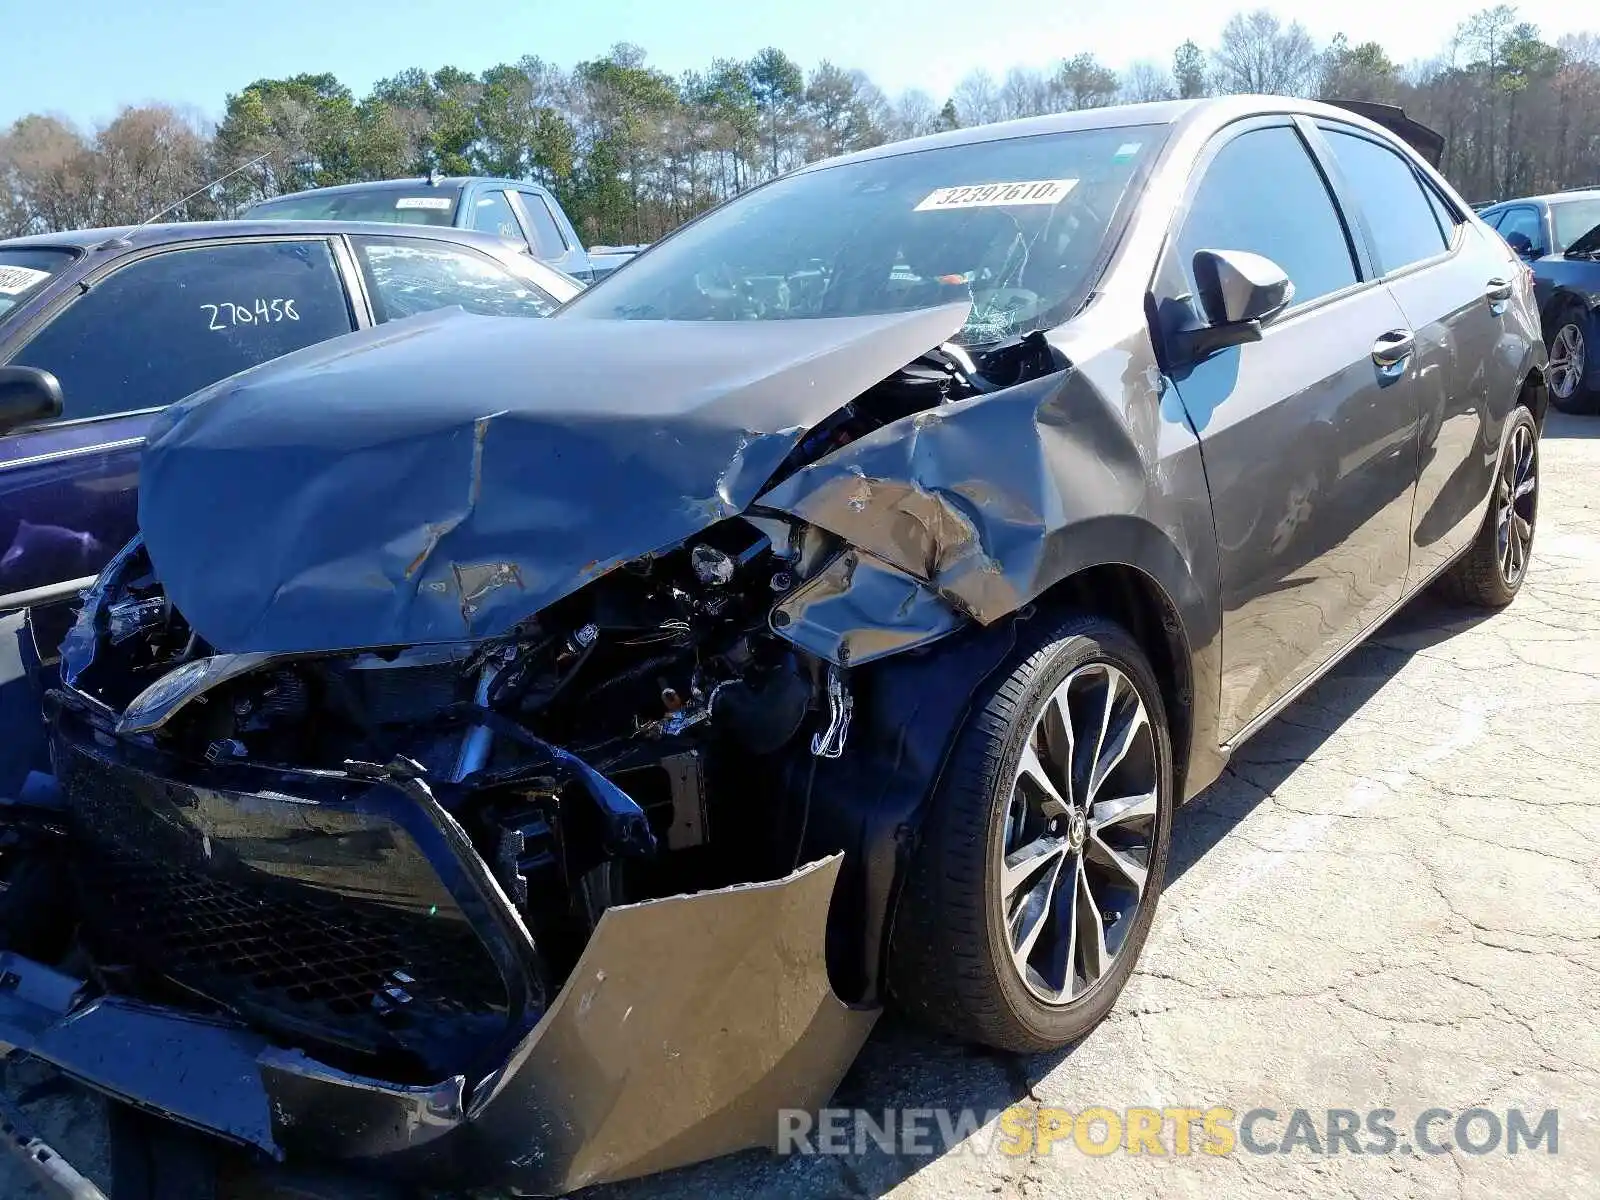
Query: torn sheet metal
(444, 477)
(644, 1062)
(857, 609)
(974, 498)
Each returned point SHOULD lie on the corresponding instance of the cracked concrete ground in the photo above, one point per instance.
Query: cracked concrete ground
(1392, 900)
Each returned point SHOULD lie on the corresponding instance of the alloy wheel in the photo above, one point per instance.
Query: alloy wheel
(1517, 503)
(1080, 828)
(1568, 359)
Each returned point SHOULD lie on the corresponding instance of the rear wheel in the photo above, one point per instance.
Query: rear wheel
(1567, 372)
(1032, 891)
(1491, 572)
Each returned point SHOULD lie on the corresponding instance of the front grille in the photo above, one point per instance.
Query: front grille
(309, 951)
(315, 922)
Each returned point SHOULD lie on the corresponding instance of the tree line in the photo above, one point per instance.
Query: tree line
(632, 151)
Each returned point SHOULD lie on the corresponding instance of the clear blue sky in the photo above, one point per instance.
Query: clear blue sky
(86, 58)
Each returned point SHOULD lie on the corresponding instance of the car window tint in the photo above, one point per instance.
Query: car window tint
(547, 239)
(407, 278)
(1262, 193)
(1391, 197)
(1524, 223)
(492, 214)
(158, 329)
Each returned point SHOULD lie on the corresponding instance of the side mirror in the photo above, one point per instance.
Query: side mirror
(27, 395)
(1238, 293)
(1236, 286)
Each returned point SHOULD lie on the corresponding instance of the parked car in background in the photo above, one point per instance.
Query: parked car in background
(524, 213)
(126, 321)
(1558, 236)
(831, 609)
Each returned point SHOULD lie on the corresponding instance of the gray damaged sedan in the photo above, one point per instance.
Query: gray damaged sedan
(528, 754)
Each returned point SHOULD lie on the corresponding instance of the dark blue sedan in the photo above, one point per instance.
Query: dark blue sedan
(1559, 237)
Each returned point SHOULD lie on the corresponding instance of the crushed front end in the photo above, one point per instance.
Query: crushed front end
(525, 912)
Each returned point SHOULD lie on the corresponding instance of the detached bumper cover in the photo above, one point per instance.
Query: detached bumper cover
(687, 1023)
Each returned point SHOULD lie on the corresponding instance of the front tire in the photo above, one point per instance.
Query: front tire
(1566, 374)
(1045, 849)
(1491, 572)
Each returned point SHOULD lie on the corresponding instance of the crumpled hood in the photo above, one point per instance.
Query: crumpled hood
(447, 476)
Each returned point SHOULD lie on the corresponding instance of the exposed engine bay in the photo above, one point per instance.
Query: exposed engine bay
(580, 752)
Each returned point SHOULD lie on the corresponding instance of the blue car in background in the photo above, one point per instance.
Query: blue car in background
(1558, 236)
(524, 213)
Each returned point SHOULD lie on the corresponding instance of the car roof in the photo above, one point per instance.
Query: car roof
(408, 184)
(1213, 113)
(134, 237)
(1549, 198)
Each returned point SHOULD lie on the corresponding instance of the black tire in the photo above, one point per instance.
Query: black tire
(1479, 577)
(950, 962)
(1570, 325)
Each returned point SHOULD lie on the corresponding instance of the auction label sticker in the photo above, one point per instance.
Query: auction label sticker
(993, 195)
(16, 280)
(439, 202)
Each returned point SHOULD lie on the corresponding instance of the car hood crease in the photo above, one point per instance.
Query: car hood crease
(445, 477)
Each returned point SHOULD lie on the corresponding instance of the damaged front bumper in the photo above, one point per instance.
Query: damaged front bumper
(686, 1025)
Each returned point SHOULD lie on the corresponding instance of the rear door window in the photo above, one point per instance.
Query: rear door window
(1263, 193)
(164, 326)
(491, 213)
(543, 231)
(406, 277)
(1397, 209)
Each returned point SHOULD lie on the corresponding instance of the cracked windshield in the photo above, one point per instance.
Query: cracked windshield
(1013, 226)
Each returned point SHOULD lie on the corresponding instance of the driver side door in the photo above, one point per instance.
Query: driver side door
(1309, 444)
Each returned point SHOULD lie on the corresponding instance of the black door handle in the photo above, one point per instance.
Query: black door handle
(1498, 291)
